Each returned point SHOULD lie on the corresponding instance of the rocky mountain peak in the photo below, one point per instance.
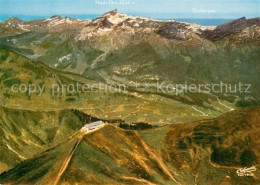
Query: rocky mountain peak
(111, 13)
(229, 28)
(13, 20)
(238, 23)
(56, 17)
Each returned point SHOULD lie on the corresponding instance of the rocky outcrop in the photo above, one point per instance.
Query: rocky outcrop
(55, 23)
(104, 23)
(173, 30)
(229, 28)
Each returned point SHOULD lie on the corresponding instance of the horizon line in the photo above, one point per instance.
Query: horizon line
(97, 14)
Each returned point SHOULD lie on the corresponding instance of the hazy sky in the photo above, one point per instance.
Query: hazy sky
(155, 8)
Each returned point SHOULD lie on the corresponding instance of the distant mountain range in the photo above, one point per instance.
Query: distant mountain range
(203, 22)
(114, 43)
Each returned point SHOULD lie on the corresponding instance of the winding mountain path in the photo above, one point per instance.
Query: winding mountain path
(69, 157)
(67, 161)
(158, 160)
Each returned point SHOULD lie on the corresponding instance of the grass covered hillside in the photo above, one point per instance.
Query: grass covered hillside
(25, 133)
(202, 152)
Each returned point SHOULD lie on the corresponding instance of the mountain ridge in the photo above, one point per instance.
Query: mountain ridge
(52, 23)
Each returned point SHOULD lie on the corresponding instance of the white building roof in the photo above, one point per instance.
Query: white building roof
(97, 123)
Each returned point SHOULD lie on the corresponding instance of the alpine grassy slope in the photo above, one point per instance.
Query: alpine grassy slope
(193, 142)
(150, 107)
(202, 152)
